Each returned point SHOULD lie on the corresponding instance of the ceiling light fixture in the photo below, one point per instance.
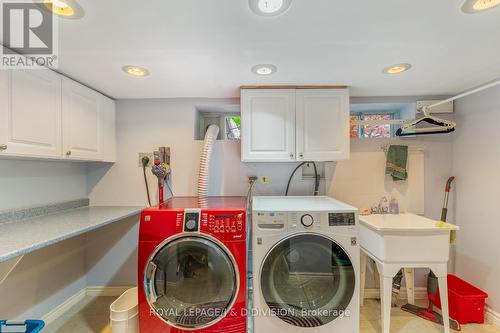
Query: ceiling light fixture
(478, 6)
(135, 71)
(59, 7)
(396, 69)
(264, 69)
(68, 9)
(269, 7)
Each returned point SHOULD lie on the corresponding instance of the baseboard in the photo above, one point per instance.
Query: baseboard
(106, 291)
(492, 317)
(374, 293)
(62, 308)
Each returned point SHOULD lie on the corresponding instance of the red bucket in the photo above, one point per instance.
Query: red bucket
(466, 302)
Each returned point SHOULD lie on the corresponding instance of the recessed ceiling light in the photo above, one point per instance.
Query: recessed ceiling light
(269, 7)
(69, 9)
(396, 69)
(59, 7)
(135, 71)
(264, 69)
(477, 6)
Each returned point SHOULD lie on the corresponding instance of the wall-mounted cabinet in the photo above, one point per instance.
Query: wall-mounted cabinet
(46, 115)
(30, 113)
(282, 125)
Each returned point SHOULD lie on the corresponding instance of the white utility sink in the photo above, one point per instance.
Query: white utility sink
(404, 237)
(404, 241)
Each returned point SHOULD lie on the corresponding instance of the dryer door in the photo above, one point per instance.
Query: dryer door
(191, 282)
(307, 280)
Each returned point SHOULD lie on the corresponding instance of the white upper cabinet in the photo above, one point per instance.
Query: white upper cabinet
(268, 125)
(83, 120)
(46, 115)
(322, 118)
(294, 125)
(30, 113)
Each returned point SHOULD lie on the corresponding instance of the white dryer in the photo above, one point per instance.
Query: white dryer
(305, 264)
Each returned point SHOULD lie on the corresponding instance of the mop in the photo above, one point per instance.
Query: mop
(432, 282)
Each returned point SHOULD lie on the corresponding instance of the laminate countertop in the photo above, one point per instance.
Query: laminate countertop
(25, 236)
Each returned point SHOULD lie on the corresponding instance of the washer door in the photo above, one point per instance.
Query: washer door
(191, 282)
(307, 280)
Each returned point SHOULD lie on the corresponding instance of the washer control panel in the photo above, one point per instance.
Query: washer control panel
(341, 219)
(307, 220)
(192, 220)
(225, 223)
(340, 222)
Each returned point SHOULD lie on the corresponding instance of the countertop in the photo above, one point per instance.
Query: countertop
(401, 223)
(25, 236)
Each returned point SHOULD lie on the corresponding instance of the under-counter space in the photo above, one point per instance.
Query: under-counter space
(25, 236)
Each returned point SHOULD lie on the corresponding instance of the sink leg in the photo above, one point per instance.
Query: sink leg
(443, 291)
(410, 284)
(386, 297)
(362, 277)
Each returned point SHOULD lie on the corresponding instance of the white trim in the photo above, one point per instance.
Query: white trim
(107, 291)
(374, 293)
(62, 308)
(492, 317)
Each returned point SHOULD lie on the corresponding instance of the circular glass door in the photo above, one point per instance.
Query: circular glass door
(307, 280)
(191, 282)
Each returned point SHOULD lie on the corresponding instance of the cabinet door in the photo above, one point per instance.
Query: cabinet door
(322, 125)
(268, 125)
(108, 129)
(82, 122)
(30, 113)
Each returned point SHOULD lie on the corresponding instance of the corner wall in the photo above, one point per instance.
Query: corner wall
(476, 163)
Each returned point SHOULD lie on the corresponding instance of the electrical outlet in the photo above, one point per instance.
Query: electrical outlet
(151, 159)
(264, 179)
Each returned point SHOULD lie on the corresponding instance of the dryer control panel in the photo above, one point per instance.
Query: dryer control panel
(224, 225)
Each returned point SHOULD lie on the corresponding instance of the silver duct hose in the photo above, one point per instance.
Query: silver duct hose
(206, 154)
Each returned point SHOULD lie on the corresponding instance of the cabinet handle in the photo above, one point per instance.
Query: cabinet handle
(291, 155)
(3, 147)
(68, 153)
(301, 155)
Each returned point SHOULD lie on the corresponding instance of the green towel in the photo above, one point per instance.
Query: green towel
(397, 157)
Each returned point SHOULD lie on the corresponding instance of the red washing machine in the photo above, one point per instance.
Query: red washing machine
(192, 266)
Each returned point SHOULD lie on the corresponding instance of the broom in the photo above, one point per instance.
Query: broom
(432, 282)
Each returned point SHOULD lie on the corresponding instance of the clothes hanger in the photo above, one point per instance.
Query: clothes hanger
(441, 125)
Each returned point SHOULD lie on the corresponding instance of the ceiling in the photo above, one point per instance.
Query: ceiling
(206, 48)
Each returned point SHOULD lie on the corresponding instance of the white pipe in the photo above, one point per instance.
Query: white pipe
(467, 93)
(210, 137)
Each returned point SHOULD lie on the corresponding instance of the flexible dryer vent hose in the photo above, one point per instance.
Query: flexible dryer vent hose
(206, 154)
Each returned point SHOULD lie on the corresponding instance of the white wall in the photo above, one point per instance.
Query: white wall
(476, 163)
(32, 183)
(45, 278)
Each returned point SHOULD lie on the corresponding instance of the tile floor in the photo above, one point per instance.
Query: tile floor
(92, 316)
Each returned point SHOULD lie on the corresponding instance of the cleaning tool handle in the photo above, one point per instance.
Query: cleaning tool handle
(444, 213)
(448, 184)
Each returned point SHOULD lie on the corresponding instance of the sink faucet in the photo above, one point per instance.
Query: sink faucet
(382, 207)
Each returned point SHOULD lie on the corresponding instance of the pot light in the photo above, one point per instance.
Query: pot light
(69, 9)
(477, 6)
(269, 7)
(396, 69)
(59, 7)
(135, 71)
(264, 69)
